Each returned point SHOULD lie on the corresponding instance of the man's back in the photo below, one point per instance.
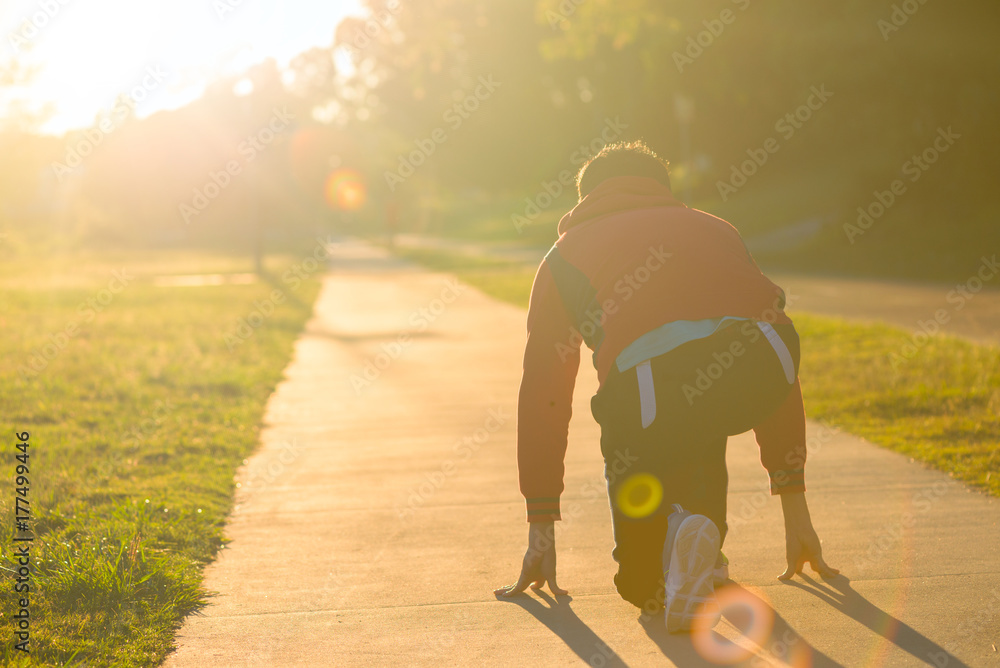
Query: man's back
(631, 258)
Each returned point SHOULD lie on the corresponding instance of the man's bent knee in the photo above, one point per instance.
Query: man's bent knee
(647, 596)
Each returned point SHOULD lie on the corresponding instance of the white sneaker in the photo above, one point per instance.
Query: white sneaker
(689, 559)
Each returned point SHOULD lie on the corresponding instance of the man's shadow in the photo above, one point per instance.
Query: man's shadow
(782, 642)
(837, 592)
(557, 616)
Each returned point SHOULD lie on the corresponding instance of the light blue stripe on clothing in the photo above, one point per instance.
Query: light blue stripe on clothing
(669, 336)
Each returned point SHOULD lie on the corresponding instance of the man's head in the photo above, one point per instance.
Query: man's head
(622, 159)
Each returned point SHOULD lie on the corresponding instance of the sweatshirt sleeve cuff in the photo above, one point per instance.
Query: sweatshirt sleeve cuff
(787, 481)
(543, 509)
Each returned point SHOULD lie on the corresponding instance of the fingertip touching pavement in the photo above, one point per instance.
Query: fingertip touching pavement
(382, 509)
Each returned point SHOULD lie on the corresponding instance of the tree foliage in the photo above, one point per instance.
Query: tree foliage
(399, 87)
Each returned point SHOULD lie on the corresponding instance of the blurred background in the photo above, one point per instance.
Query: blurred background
(248, 125)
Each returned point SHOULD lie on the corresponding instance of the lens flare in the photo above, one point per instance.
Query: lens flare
(740, 605)
(314, 152)
(345, 190)
(640, 496)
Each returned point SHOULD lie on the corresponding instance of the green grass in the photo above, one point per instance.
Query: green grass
(137, 426)
(937, 401)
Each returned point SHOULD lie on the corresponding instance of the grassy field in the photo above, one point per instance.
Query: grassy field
(938, 402)
(140, 401)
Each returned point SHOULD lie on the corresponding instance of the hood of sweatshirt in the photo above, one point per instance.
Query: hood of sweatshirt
(614, 195)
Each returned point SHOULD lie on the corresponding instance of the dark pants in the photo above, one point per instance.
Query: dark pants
(704, 393)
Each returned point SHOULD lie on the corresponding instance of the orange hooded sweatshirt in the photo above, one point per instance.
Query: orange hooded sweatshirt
(629, 259)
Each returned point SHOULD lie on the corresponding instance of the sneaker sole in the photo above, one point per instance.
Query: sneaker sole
(691, 582)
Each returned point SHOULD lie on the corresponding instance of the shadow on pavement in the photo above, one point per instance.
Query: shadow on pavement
(675, 646)
(781, 642)
(838, 593)
(558, 617)
(365, 337)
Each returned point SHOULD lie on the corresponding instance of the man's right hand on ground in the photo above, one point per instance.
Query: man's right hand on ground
(801, 541)
(539, 565)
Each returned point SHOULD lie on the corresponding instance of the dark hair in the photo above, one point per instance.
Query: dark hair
(622, 159)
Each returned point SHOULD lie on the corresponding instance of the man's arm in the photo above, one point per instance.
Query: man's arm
(545, 398)
(782, 441)
(544, 408)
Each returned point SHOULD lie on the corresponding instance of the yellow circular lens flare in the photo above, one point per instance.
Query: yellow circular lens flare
(345, 190)
(640, 496)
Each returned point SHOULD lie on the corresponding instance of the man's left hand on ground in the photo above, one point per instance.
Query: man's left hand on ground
(539, 565)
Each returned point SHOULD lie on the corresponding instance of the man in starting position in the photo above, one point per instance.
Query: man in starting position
(691, 345)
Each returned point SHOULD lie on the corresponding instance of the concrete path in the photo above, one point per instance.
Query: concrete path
(969, 308)
(380, 513)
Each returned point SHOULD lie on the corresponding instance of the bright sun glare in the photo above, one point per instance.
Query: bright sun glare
(88, 54)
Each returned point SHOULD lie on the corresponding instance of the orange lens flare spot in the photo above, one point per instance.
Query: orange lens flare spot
(345, 190)
(754, 620)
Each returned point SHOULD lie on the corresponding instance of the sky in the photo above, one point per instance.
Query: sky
(91, 51)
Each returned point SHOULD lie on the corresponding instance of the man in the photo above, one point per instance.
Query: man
(691, 345)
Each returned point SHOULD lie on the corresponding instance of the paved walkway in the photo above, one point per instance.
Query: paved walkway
(965, 309)
(970, 308)
(379, 514)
